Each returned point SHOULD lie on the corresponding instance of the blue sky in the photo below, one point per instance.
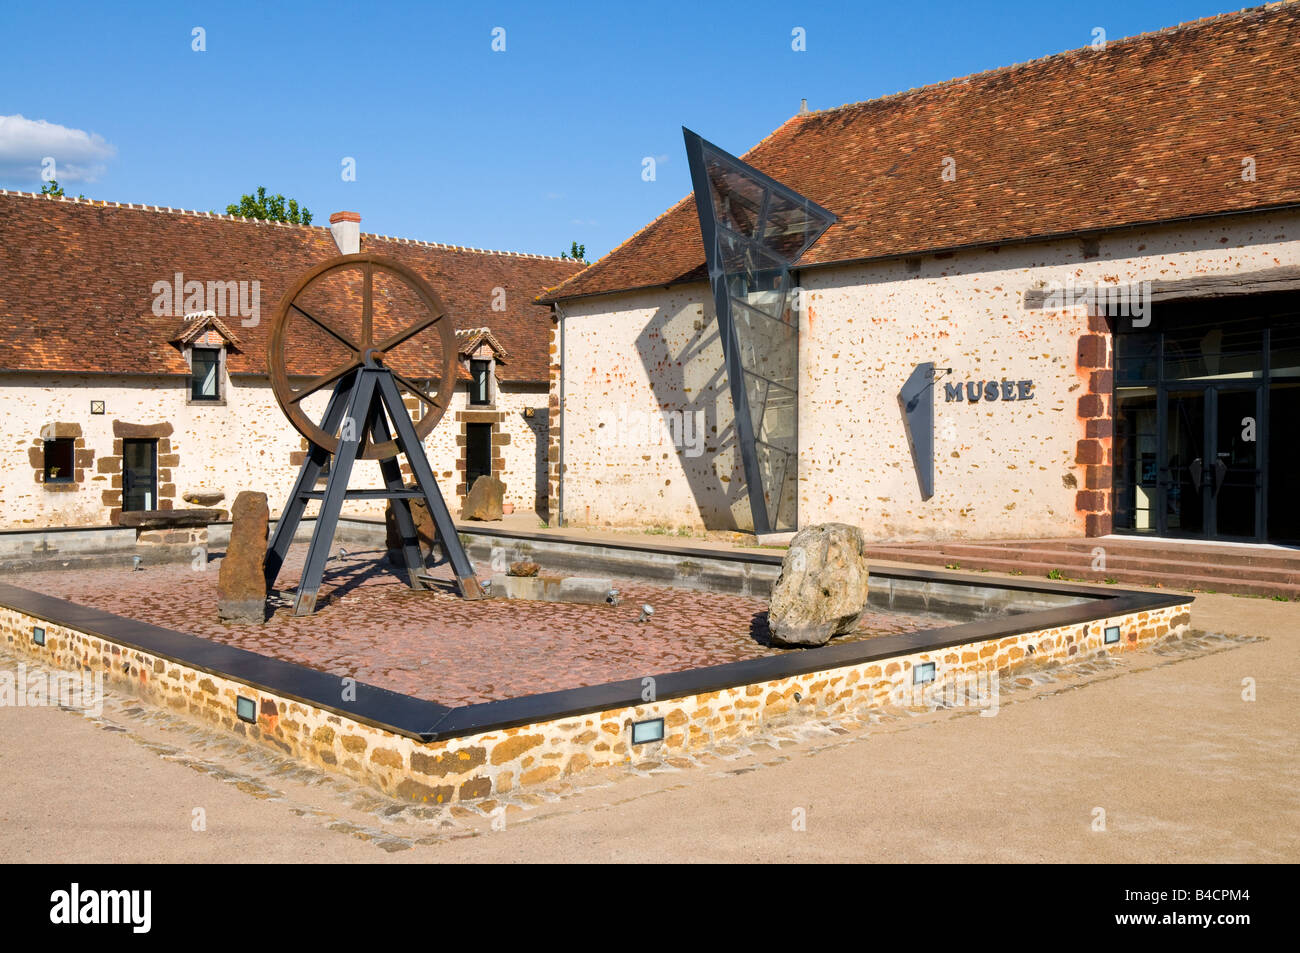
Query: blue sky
(526, 149)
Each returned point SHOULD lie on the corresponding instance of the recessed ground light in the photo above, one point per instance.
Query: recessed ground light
(246, 709)
(645, 731)
(38, 635)
(923, 673)
(1112, 634)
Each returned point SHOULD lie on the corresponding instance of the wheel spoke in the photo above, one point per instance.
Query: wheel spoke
(405, 382)
(389, 343)
(367, 307)
(324, 381)
(326, 328)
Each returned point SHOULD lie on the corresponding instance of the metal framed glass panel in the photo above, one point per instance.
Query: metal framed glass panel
(754, 229)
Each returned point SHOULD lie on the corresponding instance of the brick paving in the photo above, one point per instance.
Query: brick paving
(434, 645)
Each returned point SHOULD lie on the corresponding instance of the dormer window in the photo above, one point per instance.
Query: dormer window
(205, 340)
(205, 373)
(480, 382)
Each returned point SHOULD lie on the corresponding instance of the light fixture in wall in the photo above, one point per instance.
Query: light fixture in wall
(923, 673)
(246, 709)
(96, 406)
(1112, 634)
(529, 412)
(38, 635)
(647, 731)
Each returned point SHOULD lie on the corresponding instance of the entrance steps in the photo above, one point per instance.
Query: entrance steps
(1245, 570)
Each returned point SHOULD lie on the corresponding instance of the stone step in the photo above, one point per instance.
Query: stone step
(1181, 552)
(1198, 580)
(1279, 571)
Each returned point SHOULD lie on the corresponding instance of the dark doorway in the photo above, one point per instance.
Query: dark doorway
(139, 474)
(1204, 408)
(478, 453)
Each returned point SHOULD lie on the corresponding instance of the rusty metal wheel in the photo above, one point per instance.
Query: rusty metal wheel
(336, 307)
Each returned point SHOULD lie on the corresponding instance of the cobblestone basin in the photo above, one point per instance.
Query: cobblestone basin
(433, 645)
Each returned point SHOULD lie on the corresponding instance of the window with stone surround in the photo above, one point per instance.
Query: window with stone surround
(59, 457)
(480, 382)
(207, 375)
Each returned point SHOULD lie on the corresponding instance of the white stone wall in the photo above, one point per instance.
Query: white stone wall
(247, 444)
(628, 359)
(1002, 469)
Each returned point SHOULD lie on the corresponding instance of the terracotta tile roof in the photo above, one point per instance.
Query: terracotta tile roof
(1152, 128)
(77, 277)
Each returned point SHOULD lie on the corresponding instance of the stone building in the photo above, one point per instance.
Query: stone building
(1060, 298)
(133, 359)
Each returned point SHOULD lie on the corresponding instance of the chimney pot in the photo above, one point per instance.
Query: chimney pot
(346, 229)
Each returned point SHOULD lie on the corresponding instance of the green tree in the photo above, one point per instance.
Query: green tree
(271, 208)
(576, 252)
(52, 187)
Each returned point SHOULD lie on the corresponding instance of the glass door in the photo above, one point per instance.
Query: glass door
(1210, 475)
(139, 474)
(1235, 475)
(1183, 463)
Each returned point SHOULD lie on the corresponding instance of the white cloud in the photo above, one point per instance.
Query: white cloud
(24, 144)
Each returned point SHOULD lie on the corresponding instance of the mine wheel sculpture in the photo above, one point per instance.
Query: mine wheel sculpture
(366, 398)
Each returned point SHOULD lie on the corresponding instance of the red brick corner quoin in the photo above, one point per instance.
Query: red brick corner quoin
(1095, 448)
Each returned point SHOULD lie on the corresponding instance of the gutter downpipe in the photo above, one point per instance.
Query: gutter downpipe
(559, 471)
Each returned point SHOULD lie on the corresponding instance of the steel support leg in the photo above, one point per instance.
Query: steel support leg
(287, 525)
(336, 487)
(410, 444)
(392, 473)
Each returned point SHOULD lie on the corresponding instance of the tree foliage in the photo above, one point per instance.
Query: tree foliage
(576, 252)
(271, 208)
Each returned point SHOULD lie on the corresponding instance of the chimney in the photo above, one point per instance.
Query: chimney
(803, 110)
(346, 229)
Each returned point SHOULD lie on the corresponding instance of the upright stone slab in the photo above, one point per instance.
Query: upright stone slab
(241, 585)
(484, 500)
(822, 588)
(425, 530)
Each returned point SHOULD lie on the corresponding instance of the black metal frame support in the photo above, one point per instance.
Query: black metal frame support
(357, 408)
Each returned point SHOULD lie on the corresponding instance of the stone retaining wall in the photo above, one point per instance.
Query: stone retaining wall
(496, 762)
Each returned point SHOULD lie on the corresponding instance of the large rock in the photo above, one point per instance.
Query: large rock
(484, 500)
(425, 530)
(203, 496)
(241, 585)
(822, 588)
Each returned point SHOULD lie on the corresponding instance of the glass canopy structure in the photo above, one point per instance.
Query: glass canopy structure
(754, 229)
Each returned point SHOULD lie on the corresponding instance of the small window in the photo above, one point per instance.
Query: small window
(58, 460)
(480, 391)
(205, 373)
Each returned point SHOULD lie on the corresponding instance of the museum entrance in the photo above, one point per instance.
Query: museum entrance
(1206, 400)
